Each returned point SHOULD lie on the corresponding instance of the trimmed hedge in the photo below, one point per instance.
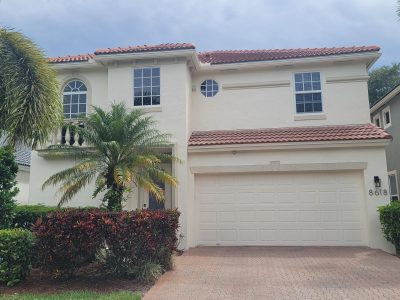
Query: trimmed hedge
(15, 255)
(8, 173)
(27, 215)
(130, 243)
(390, 219)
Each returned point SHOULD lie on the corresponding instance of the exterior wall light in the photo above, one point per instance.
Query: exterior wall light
(377, 181)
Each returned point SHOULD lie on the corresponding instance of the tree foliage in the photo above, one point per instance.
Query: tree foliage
(124, 149)
(30, 106)
(398, 8)
(8, 173)
(382, 80)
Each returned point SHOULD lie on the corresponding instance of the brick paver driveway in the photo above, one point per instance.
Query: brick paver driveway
(281, 273)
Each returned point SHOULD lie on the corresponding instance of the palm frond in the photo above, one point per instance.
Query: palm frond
(65, 175)
(30, 106)
(124, 148)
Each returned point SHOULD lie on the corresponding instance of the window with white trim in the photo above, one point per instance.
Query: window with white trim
(75, 99)
(377, 120)
(308, 92)
(146, 87)
(393, 187)
(387, 118)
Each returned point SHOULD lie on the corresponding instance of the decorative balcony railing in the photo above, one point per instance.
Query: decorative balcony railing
(70, 134)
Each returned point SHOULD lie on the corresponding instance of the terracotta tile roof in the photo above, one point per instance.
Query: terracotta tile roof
(235, 56)
(288, 135)
(146, 48)
(222, 56)
(70, 58)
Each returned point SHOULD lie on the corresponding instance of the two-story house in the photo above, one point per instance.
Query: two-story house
(277, 145)
(385, 113)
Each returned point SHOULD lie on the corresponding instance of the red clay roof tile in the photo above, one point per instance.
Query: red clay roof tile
(70, 58)
(236, 56)
(288, 135)
(222, 56)
(146, 48)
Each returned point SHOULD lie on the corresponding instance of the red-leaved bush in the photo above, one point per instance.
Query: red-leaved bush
(125, 241)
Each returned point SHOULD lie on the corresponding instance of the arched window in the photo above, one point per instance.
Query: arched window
(74, 99)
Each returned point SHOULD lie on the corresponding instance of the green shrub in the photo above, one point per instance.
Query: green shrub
(148, 272)
(15, 255)
(130, 243)
(139, 237)
(8, 171)
(67, 240)
(390, 219)
(27, 215)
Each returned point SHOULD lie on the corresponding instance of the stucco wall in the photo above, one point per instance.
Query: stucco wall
(275, 106)
(23, 185)
(392, 150)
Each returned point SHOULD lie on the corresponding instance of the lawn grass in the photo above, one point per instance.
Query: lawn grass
(120, 295)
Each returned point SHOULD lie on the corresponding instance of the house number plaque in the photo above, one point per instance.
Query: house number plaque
(378, 192)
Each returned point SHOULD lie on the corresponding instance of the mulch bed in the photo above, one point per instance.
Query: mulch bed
(41, 283)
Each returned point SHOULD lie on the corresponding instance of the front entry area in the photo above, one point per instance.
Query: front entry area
(288, 208)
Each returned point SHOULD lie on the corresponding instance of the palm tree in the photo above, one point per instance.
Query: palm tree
(30, 106)
(123, 148)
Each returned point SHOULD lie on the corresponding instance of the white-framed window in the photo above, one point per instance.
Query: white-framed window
(146, 86)
(209, 88)
(393, 186)
(74, 99)
(308, 92)
(386, 116)
(377, 120)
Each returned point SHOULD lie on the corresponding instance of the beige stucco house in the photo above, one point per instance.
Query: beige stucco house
(277, 145)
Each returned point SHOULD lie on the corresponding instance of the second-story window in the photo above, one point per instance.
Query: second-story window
(74, 99)
(146, 86)
(387, 120)
(308, 92)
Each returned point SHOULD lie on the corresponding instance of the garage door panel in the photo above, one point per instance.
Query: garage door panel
(353, 235)
(208, 235)
(247, 235)
(309, 235)
(287, 235)
(268, 235)
(309, 216)
(288, 216)
(328, 197)
(281, 209)
(208, 217)
(286, 197)
(256, 197)
(226, 216)
(228, 235)
(307, 197)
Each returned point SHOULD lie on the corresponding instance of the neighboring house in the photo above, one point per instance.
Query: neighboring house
(277, 145)
(385, 113)
(23, 159)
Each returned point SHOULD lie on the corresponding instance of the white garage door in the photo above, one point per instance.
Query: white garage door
(281, 209)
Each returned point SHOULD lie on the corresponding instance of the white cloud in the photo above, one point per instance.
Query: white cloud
(77, 26)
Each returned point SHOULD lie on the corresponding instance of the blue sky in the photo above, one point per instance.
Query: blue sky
(76, 26)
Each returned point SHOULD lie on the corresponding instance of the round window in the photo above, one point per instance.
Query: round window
(209, 88)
